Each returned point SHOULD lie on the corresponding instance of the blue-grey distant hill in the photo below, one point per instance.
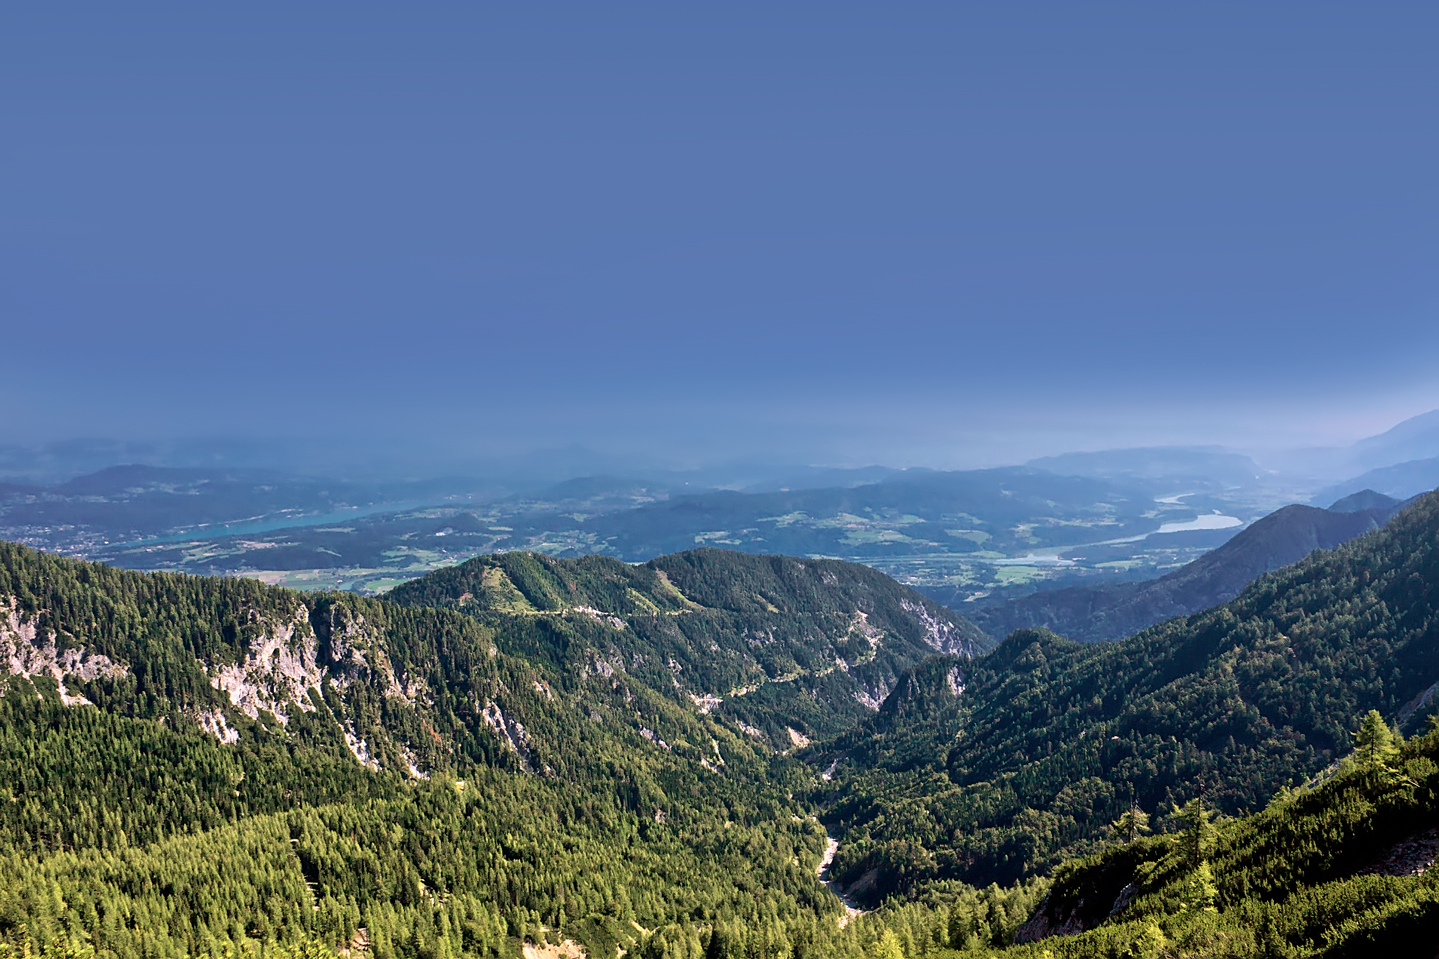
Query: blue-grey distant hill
(1188, 466)
(1113, 611)
(1364, 499)
(1401, 480)
(1417, 438)
(914, 513)
(131, 502)
(1366, 462)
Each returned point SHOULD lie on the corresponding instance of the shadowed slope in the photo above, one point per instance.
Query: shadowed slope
(1096, 613)
(993, 769)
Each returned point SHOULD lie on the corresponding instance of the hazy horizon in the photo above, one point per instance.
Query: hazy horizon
(338, 458)
(416, 240)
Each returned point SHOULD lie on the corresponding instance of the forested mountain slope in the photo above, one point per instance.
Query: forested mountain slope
(195, 764)
(148, 840)
(1342, 870)
(995, 769)
(1112, 611)
(198, 766)
(402, 689)
(789, 648)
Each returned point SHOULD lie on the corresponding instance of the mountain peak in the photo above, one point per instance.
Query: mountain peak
(1363, 500)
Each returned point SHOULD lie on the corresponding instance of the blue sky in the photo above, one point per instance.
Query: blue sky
(943, 234)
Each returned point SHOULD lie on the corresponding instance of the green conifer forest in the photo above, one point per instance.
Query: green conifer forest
(586, 757)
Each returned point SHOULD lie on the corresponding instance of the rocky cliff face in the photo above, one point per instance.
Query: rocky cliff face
(286, 669)
(25, 652)
(277, 672)
(940, 632)
(280, 669)
(286, 666)
(495, 661)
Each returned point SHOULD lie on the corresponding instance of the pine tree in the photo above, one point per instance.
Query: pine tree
(1132, 823)
(1198, 832)
(1374, 746)
(1200, 891)
(886, 947)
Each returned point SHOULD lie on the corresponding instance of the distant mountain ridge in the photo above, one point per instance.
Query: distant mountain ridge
(1113, 611)
(1187, 465)
(1401, 480)
(1365, 499)
(1366, 460)
(138, 502)
(914, 512)
(229, 521)
(1414, 439)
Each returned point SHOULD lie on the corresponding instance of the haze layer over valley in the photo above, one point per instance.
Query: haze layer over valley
(964, 537)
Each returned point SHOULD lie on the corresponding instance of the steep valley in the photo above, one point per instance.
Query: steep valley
(589, 756)
(1017, 760)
